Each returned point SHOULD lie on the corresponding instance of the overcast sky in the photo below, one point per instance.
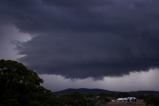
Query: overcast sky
(109, 44)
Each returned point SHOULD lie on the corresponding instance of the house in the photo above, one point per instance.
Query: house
(127, 99)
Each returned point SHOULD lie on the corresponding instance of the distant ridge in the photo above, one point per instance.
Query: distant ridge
(82, 90)
(102, 91)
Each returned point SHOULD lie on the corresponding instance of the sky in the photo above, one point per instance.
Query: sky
(107, 44)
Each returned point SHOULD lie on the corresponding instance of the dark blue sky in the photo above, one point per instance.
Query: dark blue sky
(81, 39)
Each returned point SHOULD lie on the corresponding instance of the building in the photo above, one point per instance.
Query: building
(126, 99)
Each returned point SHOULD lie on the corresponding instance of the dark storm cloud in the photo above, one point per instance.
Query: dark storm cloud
(87, 38)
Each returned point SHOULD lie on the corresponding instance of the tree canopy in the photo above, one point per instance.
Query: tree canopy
(20, 86)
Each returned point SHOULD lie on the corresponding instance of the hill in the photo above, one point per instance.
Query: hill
(102, 91)
(83, 91)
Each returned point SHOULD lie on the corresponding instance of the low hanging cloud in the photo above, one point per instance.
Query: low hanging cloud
(79, 39)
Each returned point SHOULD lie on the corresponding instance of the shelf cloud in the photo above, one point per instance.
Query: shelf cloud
(80, 39)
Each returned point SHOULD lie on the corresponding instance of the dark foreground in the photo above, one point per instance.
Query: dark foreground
(139, 103)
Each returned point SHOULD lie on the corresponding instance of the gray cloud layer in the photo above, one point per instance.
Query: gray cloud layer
(88, 38)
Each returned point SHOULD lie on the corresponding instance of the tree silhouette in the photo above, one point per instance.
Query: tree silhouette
(20, 86)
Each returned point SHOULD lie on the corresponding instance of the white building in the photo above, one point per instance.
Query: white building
(127, 99)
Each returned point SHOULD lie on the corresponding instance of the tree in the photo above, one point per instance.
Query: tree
(20, 86)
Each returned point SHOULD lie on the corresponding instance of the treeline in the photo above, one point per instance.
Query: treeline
(20, 86)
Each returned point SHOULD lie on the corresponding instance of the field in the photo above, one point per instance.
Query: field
(139, 103)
